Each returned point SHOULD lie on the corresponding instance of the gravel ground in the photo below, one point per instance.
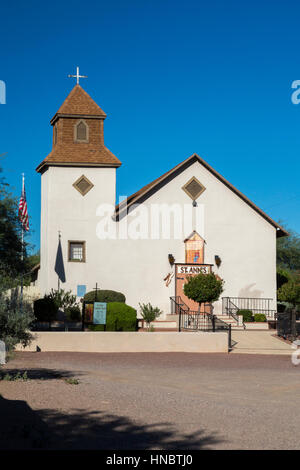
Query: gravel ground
(150, 401)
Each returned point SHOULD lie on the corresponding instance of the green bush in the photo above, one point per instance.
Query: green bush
(105, 296)
(96, 327)
(149, 313)
(260, 317)
(247, 315)
(119, 317)
(45, 309)
(15, 323)
(73, 314)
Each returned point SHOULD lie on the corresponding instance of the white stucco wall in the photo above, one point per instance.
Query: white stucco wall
(245, 241)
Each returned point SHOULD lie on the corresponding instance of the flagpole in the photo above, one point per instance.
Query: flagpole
(58, 280)
(22, 240)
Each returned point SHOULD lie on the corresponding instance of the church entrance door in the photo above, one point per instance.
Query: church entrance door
(182, 272)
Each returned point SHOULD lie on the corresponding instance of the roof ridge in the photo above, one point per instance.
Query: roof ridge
(145, 189)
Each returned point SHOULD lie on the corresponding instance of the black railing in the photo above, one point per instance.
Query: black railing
(178, 304)
(190, 320)
(287, 325)
(231, 310)
(231, 305)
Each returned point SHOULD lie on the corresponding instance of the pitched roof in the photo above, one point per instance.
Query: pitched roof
(155, 185)
(79, 103)
(84, 155)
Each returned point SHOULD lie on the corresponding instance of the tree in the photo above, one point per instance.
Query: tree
(203, 288)
(10, 230)
(149, 313)
(14, 322)
(11, 248)
(283, 276)
(33, 260)
(290, 292)
(288, 251)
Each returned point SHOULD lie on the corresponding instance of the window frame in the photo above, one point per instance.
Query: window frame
(81, 141)
(83, 193)
(201, 191)
(83, 260)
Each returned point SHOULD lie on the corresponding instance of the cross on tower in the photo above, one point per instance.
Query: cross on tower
(77, 76)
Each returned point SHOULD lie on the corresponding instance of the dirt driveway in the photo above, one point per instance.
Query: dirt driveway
(151, 401)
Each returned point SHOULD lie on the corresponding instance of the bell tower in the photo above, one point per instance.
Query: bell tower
(77, 176)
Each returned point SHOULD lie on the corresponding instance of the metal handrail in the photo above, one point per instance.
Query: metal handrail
(255, 304)
(191, 320)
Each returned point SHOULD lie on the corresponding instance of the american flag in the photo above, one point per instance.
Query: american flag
(23, 213)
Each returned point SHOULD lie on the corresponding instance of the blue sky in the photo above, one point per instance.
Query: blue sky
(173, 77)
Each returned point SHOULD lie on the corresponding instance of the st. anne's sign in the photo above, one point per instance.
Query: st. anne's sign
(193, 269)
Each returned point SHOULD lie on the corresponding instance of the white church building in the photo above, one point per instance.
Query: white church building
(188, 220)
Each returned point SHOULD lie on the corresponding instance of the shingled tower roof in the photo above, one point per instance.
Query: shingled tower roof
(78, 103)
(67, 151)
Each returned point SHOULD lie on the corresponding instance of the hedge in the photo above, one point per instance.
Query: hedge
(105, 296)
(247, 315)
(119, 317)
(260, 317)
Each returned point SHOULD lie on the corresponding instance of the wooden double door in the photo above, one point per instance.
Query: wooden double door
(182, 272)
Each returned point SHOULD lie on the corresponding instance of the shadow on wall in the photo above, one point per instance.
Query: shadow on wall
(23, 428)
(248, 292)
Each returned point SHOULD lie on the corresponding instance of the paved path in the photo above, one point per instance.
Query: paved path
(170, 401)
(259, 342)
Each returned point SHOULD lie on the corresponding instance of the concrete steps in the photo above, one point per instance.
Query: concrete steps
(226, 318)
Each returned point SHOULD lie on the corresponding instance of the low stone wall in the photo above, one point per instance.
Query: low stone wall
(106, 342)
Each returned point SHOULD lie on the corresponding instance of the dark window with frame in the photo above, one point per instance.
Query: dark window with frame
(76, 251)
(81, 132)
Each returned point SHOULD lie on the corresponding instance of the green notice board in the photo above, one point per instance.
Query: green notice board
(99, 313)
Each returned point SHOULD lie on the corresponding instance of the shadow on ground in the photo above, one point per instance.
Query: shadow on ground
(38, 374)
(23, 428)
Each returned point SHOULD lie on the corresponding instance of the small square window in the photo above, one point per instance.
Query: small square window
(77, 251)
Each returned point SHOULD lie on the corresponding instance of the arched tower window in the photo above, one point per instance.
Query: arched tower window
(81, 132)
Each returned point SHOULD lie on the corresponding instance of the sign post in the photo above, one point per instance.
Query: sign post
(100, 314)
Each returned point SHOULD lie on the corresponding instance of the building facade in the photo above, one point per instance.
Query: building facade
(186, 221)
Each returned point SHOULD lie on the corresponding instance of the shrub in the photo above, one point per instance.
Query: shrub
(260, 317)
(247, 315)
(73, 314)
(105, 296)
(62, 300)
(45, 309)
(96, 327)
(149, 313)
(290, 292)
(119, 317)
(14, 321)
